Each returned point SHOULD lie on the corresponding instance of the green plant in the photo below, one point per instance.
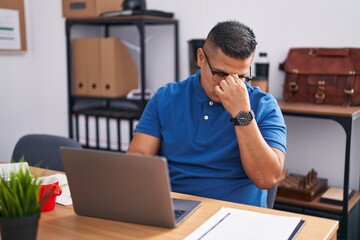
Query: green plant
(19, 194)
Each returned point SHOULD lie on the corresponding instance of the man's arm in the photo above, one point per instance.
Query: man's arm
(262, 163)
(144, 144)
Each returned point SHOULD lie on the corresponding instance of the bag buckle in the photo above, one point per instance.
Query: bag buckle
(349, 92)
(312, 52)
(320, 93)
(320, 96)
(293, 87)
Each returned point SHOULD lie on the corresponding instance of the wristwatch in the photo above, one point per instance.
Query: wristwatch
(243, 118)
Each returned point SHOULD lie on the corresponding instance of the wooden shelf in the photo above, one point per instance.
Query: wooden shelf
(345, 116)
(99, 122)
(319, 109)
(320, 205)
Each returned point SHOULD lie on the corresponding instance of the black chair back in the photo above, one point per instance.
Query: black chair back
(42, 150)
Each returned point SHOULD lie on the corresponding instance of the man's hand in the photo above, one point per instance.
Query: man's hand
(233, 94)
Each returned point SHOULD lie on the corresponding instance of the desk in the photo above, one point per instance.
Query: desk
(345, 116)
(63, 223)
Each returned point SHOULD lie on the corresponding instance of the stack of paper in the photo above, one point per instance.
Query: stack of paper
(230, 223)
(335, 195)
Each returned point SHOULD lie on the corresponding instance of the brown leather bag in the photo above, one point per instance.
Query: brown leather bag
(323, 76)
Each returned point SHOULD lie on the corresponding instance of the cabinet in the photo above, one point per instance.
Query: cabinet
(348, 213)
(97, 122)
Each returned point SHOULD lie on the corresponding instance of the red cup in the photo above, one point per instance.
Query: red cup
(50, 189)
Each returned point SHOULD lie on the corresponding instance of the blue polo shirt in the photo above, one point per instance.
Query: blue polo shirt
(200, 144)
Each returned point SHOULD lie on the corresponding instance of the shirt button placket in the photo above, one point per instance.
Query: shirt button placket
(206, 117)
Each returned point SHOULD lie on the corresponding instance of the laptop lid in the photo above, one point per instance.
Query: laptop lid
(123, 187)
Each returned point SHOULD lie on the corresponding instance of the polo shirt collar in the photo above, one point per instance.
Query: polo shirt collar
(200, 93)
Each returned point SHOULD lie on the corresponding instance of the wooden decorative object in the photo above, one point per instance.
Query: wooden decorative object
(300, 187)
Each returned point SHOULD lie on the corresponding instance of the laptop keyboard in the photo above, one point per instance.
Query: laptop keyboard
(178, 213)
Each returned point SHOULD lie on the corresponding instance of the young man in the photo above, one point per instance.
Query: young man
(223, 139)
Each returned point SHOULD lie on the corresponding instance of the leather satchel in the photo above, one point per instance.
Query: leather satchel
(323, 76)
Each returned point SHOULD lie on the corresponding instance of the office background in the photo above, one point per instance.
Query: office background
(33, 85)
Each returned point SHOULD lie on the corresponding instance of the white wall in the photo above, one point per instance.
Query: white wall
(33, 84)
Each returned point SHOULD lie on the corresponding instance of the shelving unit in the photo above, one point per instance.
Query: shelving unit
(348, 213)
(100, 112)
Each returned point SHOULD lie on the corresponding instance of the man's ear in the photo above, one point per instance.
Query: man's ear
(200, 58)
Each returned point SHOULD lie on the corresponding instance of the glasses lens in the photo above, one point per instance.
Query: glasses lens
(218, 77)
(245, 79)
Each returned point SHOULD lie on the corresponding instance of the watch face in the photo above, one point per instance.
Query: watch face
(243, 118)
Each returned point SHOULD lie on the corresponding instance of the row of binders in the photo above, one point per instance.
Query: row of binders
(105, 133)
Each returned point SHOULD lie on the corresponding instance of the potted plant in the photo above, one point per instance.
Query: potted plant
(20, 205)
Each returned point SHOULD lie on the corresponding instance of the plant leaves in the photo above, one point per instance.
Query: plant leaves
(19, 195)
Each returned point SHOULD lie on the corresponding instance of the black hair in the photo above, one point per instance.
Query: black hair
(235, 39)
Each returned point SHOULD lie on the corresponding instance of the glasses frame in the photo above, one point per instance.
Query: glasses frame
(224, 74)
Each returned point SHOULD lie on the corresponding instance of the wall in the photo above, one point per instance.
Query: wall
(33, 84)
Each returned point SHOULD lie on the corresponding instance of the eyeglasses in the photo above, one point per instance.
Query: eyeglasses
(218, 76)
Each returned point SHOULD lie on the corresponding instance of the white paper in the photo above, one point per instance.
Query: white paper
(65, 197)
(230, 223)
(9, 29)
(7, 168)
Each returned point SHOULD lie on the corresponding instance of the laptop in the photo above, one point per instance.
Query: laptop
(123, 187)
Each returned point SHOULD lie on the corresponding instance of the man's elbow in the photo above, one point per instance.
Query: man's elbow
(267, 183)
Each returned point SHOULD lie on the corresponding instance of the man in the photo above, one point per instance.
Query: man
(223, 139)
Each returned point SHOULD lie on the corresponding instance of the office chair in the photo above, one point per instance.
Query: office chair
(272, 195)
(42, 150)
